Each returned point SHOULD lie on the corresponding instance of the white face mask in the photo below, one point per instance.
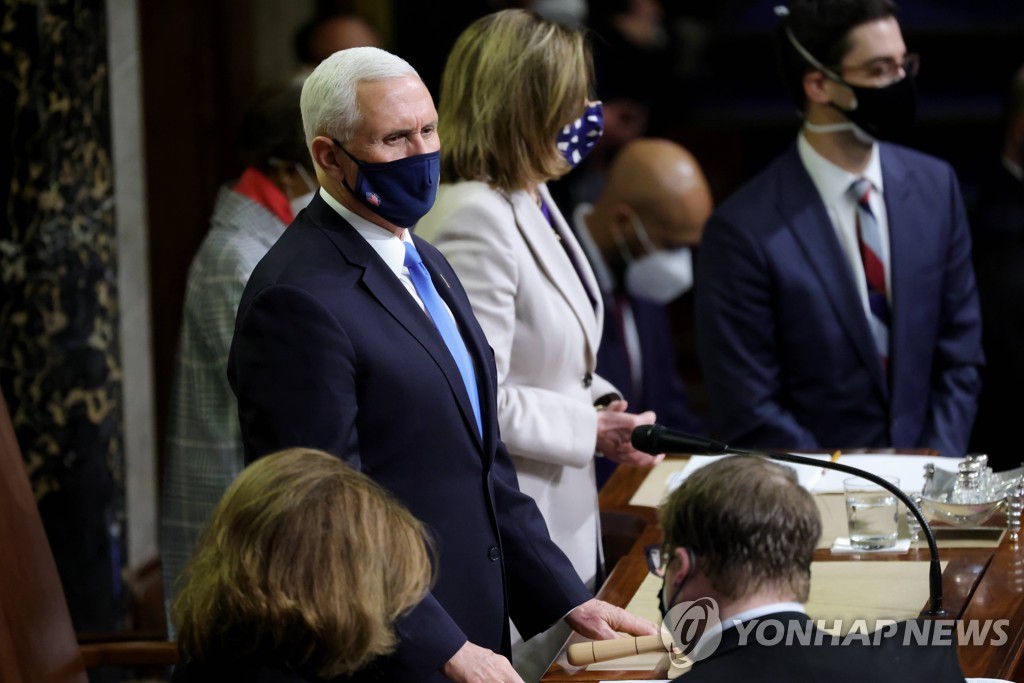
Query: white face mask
(301, 201)
(659, 275)
(858, 132)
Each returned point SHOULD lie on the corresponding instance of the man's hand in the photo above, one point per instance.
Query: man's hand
(599, 620)
(615, 429)
(475, 664)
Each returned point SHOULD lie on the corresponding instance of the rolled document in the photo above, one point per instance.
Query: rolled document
(581, 654)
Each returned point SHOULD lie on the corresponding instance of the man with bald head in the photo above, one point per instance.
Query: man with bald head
(638, 237)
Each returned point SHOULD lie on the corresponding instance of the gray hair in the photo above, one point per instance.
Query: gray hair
(328, 101)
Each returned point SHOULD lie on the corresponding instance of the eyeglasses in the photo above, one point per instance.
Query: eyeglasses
(657, 559)
(885, 70)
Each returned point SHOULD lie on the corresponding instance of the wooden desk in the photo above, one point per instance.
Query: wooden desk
(978, 584)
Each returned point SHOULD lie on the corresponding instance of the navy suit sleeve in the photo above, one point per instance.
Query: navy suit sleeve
(737, 342)
(293, 370)
(543, 586)
(955, 375)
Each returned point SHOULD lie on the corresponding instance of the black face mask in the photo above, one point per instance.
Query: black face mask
(887, 112)
(883, 113)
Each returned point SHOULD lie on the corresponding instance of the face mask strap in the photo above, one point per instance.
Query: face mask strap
(339, 146)
(667, 605)
(641, 233)
(829, 73)
(641, 236)
(624, 252)
(311, 184)
(810, 58)
(358, 164)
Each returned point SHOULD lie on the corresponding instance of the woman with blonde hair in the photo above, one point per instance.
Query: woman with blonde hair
(300, 576)
(513, 115)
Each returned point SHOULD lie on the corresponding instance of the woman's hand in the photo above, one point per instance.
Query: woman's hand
(615, 428)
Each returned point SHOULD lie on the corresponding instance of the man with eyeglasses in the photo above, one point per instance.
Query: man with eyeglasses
(741, 532)
(838, 305)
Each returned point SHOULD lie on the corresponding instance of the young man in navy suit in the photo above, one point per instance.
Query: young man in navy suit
(355, 337)
(837, 305)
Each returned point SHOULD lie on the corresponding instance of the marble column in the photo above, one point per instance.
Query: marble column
(60, 366)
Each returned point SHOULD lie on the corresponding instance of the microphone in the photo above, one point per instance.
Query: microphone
(656, 439)
(593, 651)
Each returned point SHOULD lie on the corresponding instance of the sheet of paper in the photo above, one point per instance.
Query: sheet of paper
(909, 469)
(839, 590)
(806, 474)
(669, 474)
(654, 488)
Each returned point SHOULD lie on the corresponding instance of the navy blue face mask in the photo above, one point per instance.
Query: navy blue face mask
(400, 191)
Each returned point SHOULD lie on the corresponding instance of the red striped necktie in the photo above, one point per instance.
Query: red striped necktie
(870, 242)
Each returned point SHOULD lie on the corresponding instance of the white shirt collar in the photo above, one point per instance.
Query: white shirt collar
(741, 617)
(602, 273)
(387, 245)
(832, 181)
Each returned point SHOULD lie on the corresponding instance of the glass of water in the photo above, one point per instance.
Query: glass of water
(871, 513)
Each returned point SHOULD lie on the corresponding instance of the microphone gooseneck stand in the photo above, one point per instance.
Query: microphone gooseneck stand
(657, 439)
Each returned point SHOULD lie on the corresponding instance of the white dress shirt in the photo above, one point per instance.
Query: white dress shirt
(388, 246)
(833, 185)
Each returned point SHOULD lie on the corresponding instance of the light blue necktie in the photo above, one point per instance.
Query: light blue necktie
(445, 325)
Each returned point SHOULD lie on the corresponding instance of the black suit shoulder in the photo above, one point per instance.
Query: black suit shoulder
(803, 653)
(748, 206)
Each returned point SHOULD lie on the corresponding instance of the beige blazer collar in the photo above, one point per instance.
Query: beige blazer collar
(553, 261)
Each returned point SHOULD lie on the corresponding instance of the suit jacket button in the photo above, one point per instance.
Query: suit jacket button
(493, 553)
(588, 379)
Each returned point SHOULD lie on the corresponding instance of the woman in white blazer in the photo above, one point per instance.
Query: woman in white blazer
(512, 83)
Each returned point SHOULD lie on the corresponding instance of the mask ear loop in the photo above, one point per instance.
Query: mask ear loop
(641, 236)
(311, 184)
(678, 662)
(359, 167)
(806, 54)
(307, 179)
(641, 233)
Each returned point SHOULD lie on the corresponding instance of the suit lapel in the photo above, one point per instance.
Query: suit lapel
(906, 231)
(552, 259)
(805, 214)
(381, 282)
